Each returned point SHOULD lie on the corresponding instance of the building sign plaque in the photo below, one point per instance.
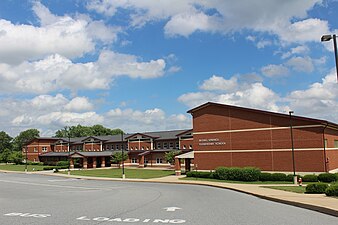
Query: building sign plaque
(210, 141)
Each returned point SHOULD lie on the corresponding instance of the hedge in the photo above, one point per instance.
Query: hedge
(265, 176)
(327, 177)
(200, 174)
(54, 167)
(237, 174)
(310, 178)
(316, 188)
(278, 177)
(332, 190)
(62, 163)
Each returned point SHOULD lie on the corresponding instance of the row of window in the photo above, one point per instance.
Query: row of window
(335, 143)
(158, 160)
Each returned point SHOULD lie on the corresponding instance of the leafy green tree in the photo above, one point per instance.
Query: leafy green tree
(117, 158)
(5, 155)
(5, 141)
(170, 156)
(82, 131)
(24, 137)
(16, 157)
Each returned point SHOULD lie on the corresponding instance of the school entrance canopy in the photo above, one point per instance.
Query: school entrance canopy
(188, 156)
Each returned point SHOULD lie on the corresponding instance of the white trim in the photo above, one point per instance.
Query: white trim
(255, 129)
(261, 150)
(331, 149)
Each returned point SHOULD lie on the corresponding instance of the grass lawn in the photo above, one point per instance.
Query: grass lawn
(117, 173)
(237, 182)
(297, 189)
(21, 167)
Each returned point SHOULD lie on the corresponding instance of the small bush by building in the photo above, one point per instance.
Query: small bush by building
(327, 177)
(237, 174)
(265, 176)
(332, 190)
(278, 177)
(62, 163)
(310, 178)
(316, 188)
(200, 174)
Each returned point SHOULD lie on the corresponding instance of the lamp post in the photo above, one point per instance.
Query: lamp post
(293, 150)
(68, 134)
(328, 37)
(123, 174)
(26, 159)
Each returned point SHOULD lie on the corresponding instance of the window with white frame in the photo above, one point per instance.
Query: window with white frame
(171, 145)
(165, 145)
(44, 149)
(35, 149)
(336, 143)
(158, 160)
(133, 160)
(117, 147)
(184, 146)
(177, 145)
(190, 146)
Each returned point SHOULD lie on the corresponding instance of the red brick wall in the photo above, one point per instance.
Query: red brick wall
(308, 142)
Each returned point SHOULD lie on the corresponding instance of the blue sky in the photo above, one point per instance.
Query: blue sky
(139, 65)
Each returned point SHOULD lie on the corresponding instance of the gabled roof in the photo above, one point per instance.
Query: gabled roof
(323, 122)
(142, 134)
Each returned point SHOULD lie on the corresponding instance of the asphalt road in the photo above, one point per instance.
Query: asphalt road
(35, 199)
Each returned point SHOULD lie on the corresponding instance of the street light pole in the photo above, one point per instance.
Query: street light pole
(293, 150)
(26, 159)
(68, 134)
(328, 38)
(123, 174)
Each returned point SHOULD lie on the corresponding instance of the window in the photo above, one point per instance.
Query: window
(158, 160)
(117, 147)
(131, 148)
(184, 146)
(133, 160)
(177, 145)
(147, 148)
(190, 146)
(145, 161)
(171, 145)
(325, 143)
(44, 149)
(336, 143)
(142, 148)
(35, 150)
(165, 145)
(159, 146)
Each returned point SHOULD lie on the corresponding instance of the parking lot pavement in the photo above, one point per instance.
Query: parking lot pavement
(38, 199)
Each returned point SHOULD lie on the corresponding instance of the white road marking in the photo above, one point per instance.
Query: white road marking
(131, 220)
(171, 209)
(35, 215)
(54, 185)
(62, 180)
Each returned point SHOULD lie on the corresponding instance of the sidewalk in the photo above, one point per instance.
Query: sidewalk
(316, 202)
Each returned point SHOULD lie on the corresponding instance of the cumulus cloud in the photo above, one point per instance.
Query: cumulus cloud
(301, 64)
(299, 50)
(79, 104)
(275, 70)
(55, 35)
(320, 100)
(149, 120)
(56, 72)
(247, 94)
(287, 19)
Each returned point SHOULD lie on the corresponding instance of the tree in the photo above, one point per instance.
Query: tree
(117, 158)
(5, 155)
(83, 131)
(24, 137)
(16, 157)
(170, 156)
(5, 141)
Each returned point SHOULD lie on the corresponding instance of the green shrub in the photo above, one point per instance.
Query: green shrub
(199, 174)
(310, 178)
(332, 190)
(316, 188)
(34, 163)
(327, 177)
(62, 163)
(238, 174)
(54, 167)
(289, 177)
(265, 177)
(250, 174)
(278, 177)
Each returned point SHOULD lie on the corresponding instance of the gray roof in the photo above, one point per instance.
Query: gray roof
(164, 135)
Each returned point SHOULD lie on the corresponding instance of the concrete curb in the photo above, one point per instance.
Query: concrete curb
(316, 208)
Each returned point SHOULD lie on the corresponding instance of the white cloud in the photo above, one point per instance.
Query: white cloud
(215, 83)
(320, 100)
(287, 19)
(64, 35)
(301, 64)
(56, 72)
(275, 70)
(299, 50)
(79, 104)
